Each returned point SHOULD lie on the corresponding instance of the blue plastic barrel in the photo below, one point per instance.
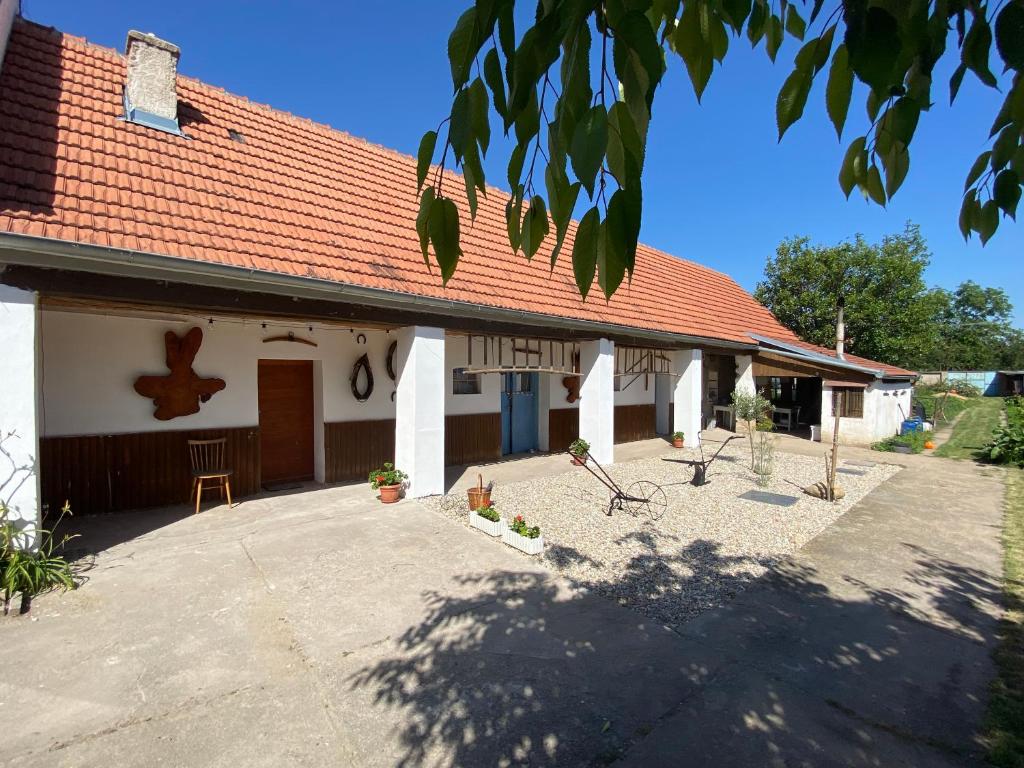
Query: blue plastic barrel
(911, 425)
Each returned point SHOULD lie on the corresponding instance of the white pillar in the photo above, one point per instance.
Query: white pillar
(543, 411)
(745, 373)
(19, 409)
(688, 363)
(662, 403)
(597, 398)
(419, 409)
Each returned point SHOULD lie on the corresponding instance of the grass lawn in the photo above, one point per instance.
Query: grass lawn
(951, 409)
(981, 416)
(1005, 726)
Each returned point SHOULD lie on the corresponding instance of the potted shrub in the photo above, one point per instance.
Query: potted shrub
(388, 481)
(579, 448)
(677, 439)
(525, 538)
(487, 519)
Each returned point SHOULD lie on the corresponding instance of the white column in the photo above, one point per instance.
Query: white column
(19, 409)
(745, 373)
(543, 396)
(419, 409)
(662, 403)
(597, 398)
(688, 363)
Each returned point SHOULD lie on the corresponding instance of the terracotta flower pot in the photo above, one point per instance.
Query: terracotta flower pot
(677, 443)
(579, 461)
(389, 494)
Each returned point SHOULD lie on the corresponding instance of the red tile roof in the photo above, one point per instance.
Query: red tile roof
(296, 198)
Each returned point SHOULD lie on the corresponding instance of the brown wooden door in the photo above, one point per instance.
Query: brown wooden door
(286, 420)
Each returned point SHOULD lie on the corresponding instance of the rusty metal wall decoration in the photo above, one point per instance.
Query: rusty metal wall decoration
(362, 364)
(179, 392)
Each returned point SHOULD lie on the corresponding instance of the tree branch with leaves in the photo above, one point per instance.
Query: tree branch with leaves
(576, 91)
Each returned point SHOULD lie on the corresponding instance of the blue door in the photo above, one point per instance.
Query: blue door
(519, 412)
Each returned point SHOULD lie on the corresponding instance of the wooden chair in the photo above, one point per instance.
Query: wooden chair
(207, 458)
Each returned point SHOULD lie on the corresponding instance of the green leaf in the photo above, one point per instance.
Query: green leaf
(873, 186)
(987, 221)
(976, 49)
(444, 236)
(736, 12)
(473, 175)
(625, 151)
(692, 48)
(853, 163)
(479, 114)
(955, 81)
(528, 120)
(773, 36)
(515, 165)
(896, 164)
(795, 25)
(1010, 35)
(459, 127)
(977, 169)
(589, 144)
(623, 227)
(758, 21)
(584, 251)
(462, 47)
(1004, 146)
(423, 221)
(789, 105)
(514, 219)
(813, 55)
(905, 113)
(535, 226)
(423, 157)
(873, 44)
(966, 220)
(562, 198)
(839, 89)
(1017, 163)
(611, 267)
(492, 74)
(635, 29)
(1006, 192)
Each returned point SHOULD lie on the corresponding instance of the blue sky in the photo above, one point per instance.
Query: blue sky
(719, 188)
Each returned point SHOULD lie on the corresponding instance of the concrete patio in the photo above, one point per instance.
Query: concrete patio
(321, 628)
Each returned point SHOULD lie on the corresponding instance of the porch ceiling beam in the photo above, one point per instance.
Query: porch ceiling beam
(27, 250)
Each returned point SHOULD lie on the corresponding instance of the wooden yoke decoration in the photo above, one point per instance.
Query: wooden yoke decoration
(179, 392)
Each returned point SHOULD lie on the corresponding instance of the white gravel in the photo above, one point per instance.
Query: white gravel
(706, 548)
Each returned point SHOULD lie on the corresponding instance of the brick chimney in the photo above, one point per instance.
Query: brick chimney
(150, 90)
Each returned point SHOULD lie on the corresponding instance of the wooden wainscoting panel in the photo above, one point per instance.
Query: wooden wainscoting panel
(472, 438)
(563, 428)
(111, 473)
(634, 422)
(353, 448)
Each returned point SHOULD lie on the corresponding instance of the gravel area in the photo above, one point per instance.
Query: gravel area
(705, 549)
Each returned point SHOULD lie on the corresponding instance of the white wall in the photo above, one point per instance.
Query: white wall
(882, 414)
(90, 363)
(635, 393)
(456, 355)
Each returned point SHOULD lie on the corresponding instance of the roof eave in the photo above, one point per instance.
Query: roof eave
(32, 250)
(791, 350)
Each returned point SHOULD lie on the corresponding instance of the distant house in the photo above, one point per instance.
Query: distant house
(137, 205)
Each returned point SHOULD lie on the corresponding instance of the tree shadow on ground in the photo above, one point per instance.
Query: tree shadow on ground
(530, 670)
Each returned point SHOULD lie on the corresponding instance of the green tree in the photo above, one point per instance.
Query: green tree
(576, 90)
(975, 331)
(889, 310)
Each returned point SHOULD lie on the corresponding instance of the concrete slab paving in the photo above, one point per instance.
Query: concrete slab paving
(323, 629)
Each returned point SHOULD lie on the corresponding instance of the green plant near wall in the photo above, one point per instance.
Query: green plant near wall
(30, 572)
(752, 409)
(1007, 444)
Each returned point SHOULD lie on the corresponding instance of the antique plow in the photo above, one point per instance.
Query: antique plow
(643, 496)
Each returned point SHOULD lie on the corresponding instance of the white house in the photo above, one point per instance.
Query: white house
(137, 205)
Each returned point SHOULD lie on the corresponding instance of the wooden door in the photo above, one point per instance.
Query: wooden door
(286, 420)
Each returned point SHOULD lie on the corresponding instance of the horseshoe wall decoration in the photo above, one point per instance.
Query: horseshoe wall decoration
(362, 364)
(390, 361)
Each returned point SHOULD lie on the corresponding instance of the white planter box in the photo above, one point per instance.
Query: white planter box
(487, 526)
(522, 543)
